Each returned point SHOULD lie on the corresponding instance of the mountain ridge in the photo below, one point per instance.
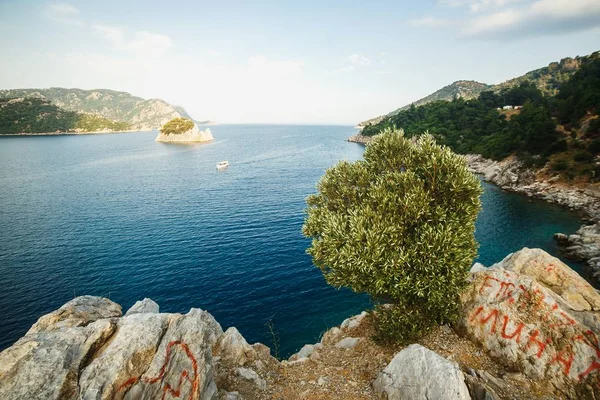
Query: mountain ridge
(548, 79)
(141, 114)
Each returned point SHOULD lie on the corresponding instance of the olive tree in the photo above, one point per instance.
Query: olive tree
(399, 226)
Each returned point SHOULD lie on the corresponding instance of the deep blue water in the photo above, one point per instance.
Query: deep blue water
(124, 217)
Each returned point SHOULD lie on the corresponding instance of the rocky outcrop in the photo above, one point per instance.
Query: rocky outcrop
(535, 315)
(358, 138)
(511, 175)
(536, 318)
(87, 350)
(194, 135)
(583, 245)
(418, 373)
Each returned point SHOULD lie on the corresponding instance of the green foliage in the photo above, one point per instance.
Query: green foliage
(35, 115)
(581, 94)
(94, 123)
(177, 126)
(475, 126)
(398, 226)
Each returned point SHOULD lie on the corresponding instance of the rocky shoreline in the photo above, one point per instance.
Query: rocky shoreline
(511, 175)
(358, 138)
(69, 133)
(529, 328)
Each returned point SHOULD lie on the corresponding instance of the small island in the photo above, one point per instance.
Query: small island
(183, 130)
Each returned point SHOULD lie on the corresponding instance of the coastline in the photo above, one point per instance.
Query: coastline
(71, 133)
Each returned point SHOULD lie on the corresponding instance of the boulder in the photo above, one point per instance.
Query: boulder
(78, 312)
(348, 343)
(233, 349)
(250, 375)
(45, 364)
(420, 374)
(143, 306)
(535, 315)
(86, 350)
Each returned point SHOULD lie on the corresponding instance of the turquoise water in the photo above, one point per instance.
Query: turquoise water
(124, 217)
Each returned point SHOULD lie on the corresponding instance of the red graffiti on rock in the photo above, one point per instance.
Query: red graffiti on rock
(174, 391)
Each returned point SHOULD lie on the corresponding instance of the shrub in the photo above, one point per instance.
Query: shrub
(398, 226)
(594, 146)
(560, 165)
(583, 155)
(177, 126)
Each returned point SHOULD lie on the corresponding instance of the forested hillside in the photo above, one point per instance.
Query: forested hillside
(563, 130)
(547, 79)
(139, 113)
(36, 115)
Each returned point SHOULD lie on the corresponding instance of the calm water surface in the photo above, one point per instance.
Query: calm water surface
(124, 217)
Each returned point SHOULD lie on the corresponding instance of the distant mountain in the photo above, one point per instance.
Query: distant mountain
(138, 113)
(34, 115)
(547, 79)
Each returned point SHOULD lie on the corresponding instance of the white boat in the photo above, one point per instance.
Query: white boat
(222, 165)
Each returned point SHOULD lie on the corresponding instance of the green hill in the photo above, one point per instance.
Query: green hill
(547, 79)
(139, 113)
(37, 115)
(557, 128)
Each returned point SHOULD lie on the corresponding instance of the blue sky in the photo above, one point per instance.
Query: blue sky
(283, 61)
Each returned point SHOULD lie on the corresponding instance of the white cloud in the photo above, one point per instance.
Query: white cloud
(477, 5)
(538, 18)
(64, 13)
(431, 22)
(359, 60)
(143, 44)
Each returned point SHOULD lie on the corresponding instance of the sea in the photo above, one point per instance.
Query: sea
(124, 217)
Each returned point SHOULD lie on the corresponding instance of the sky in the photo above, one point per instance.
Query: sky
(317, 62)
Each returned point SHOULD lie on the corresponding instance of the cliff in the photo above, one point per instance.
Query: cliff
(141, 114)
(528, 329)
(193, 135)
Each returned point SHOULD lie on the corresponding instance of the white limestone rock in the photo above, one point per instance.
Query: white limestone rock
(143, 306)
(417, 373)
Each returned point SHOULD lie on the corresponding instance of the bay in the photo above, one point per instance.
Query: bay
(121, 216)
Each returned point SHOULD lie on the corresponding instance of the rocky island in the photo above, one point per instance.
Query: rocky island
(529, 330)
(183, 130)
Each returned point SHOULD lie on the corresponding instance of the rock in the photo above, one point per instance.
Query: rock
(315, 356)
(252, 376)
(184, 352)
(233, 349)
(306, 351)
(322, 381)
(479, 391)
(348, 343)
(358, 138)
(45, 364)
(535, 315)
(418, 373)
(78, 312)
(213, 328)
(353, 322)
(231, 396)
(583, 246)
(144, 306)
(477, 267)
(194, 135)
(554, 275)
(136, 338)
(86, 350)
(331, 335)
